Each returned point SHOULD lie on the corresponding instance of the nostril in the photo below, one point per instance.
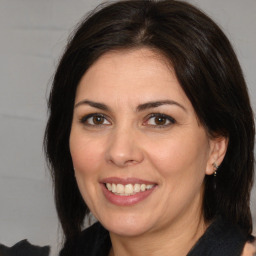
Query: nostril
(123, 154)
(122, 163)
(131, 162)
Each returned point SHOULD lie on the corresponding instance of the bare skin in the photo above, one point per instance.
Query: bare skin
(249, 249)
(133, 120)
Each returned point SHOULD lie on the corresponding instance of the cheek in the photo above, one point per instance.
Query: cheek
(86, 153)
(180, 164)
(180, 155)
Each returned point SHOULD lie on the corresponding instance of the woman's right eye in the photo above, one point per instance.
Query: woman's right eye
(94, 120)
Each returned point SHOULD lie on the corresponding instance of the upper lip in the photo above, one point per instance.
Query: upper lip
(125, 181)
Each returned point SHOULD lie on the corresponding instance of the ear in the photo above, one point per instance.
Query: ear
(218, 149)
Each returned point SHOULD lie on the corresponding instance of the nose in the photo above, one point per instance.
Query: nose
(124, 148)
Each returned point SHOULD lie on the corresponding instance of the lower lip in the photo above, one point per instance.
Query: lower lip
(126, 200)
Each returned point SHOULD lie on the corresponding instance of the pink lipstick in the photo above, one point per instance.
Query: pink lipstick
(126, 192)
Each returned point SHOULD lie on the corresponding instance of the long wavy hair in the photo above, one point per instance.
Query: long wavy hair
(207, 70)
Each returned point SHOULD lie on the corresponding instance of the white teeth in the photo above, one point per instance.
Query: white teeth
(142, 187)
(113, 188)
(120, 188)
(149, 186)
(129, 189)
(136, 188)
(109, 186)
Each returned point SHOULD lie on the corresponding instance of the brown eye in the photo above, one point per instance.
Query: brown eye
(160, 120)
(98, 120)
(95, 120)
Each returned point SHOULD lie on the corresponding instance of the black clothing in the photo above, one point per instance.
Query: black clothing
(220, 239)
(24, 248)
(93, 241)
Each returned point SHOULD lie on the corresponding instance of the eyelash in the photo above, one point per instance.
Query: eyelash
(160, 115)
(84, 120)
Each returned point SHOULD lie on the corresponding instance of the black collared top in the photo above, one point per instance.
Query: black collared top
(220, 239)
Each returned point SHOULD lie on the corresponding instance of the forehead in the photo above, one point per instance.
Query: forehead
(130, 76)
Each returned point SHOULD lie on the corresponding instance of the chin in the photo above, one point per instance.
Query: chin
(127, 230)
(127, 226)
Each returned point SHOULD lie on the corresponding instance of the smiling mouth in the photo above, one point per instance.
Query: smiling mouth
(128, 189)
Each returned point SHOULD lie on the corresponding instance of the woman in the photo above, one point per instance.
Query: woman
(151, 130)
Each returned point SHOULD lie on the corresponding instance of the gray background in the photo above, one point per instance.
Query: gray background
(33, 34)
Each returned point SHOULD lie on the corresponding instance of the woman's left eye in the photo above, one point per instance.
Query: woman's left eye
(159, 120)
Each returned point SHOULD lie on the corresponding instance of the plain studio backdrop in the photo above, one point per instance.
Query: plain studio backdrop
(33, 34)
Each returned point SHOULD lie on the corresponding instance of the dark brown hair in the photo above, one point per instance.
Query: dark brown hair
(209, 73)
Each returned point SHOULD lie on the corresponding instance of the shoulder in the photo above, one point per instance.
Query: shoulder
(24, 248)
(221, 238)
(249, 248)
(92, 241)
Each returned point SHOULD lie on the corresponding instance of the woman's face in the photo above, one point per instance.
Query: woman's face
(138, 150)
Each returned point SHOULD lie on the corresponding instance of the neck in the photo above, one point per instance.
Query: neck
(176, 239)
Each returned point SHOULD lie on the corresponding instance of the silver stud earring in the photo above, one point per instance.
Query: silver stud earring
(216, 168)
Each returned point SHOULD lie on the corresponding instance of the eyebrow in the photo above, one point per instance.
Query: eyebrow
(93, 104)
(155, 104)
(141, 107)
